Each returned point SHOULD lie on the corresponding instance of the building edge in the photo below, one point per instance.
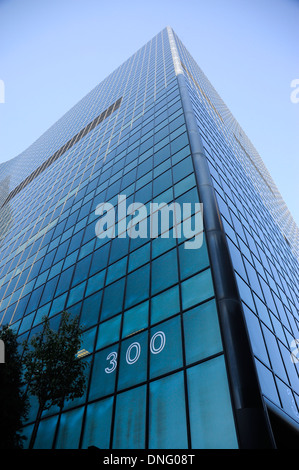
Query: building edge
(250, 412)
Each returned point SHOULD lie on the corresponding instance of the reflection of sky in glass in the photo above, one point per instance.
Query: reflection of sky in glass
(250, 57)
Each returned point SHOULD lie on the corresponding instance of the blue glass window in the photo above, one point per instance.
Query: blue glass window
(139, 257)
(34, 300)
(161, 183)
(162, 155)
(97, 424)
(197, 289)
(88, 340)
(182, 169)
(192, 261)
(129, 426)
(46, 432)
(76, 294)
(103, 373)
(116, 270)
(202, 334)
(164, 271)
(274, 353)
(255, 334)
(108, 332)
(267, 382)
(133, 360)
(70, 259)
(70, 429)
(135, 319)
(49, 290)
(137, 286)
(211, 418)
(95, 282)
(41, 312)
(179, 143)
(166, 304)
(100, 258)
(245, 292)
(160, 245)
(166, 347)
(184, 185)
(167, 413)
(81, 271)
(113, 299)
(119, 248)
(58, 304)
(64, 281)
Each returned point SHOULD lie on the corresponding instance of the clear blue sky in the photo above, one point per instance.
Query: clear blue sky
(53, 52)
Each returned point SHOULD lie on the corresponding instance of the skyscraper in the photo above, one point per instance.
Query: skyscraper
(186, 348)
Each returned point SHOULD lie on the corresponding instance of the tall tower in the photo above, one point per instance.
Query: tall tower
(186, 348)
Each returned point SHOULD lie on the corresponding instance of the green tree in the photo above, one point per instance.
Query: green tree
(53, 371)
(13, 401)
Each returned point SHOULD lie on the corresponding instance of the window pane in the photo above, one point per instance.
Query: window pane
(256, 337)
(81, 271)
(49, 290)
(197, 289)
(182, 169)
(135, 319)
(137, 286)
(167, 414)
(133, 361)
(129, 426)
(99, 259)
(267, 382)
(58, 304)
(97, 424)
(160, 245)
(45, 434)
(166, 347)
(211, 418)
(108, 332)
(166, 304)
(164, 271)
(192, 261)
(119, 248)
(139, 257)
(202, 334)
(69, 429)
(88, 339)
(102, 382)
(116, 270)
(76, 294)
(162, 182)
(91, 309)
(95, 283)
(64, 281)
(113, 299)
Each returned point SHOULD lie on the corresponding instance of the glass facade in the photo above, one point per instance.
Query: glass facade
(157, 374)
(262, 240)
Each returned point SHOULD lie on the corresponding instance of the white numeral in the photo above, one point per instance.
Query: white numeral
(131, 356)
(137, 354)
(112, 361)
(161, 335)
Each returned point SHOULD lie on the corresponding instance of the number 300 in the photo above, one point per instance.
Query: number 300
(134, 350)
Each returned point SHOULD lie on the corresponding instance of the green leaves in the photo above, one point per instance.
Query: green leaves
(53, 372)
(13, 401)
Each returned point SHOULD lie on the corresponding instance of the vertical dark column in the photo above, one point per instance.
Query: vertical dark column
(252, 423)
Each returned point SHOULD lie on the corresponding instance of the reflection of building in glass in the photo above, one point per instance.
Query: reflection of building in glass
(185, 348)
